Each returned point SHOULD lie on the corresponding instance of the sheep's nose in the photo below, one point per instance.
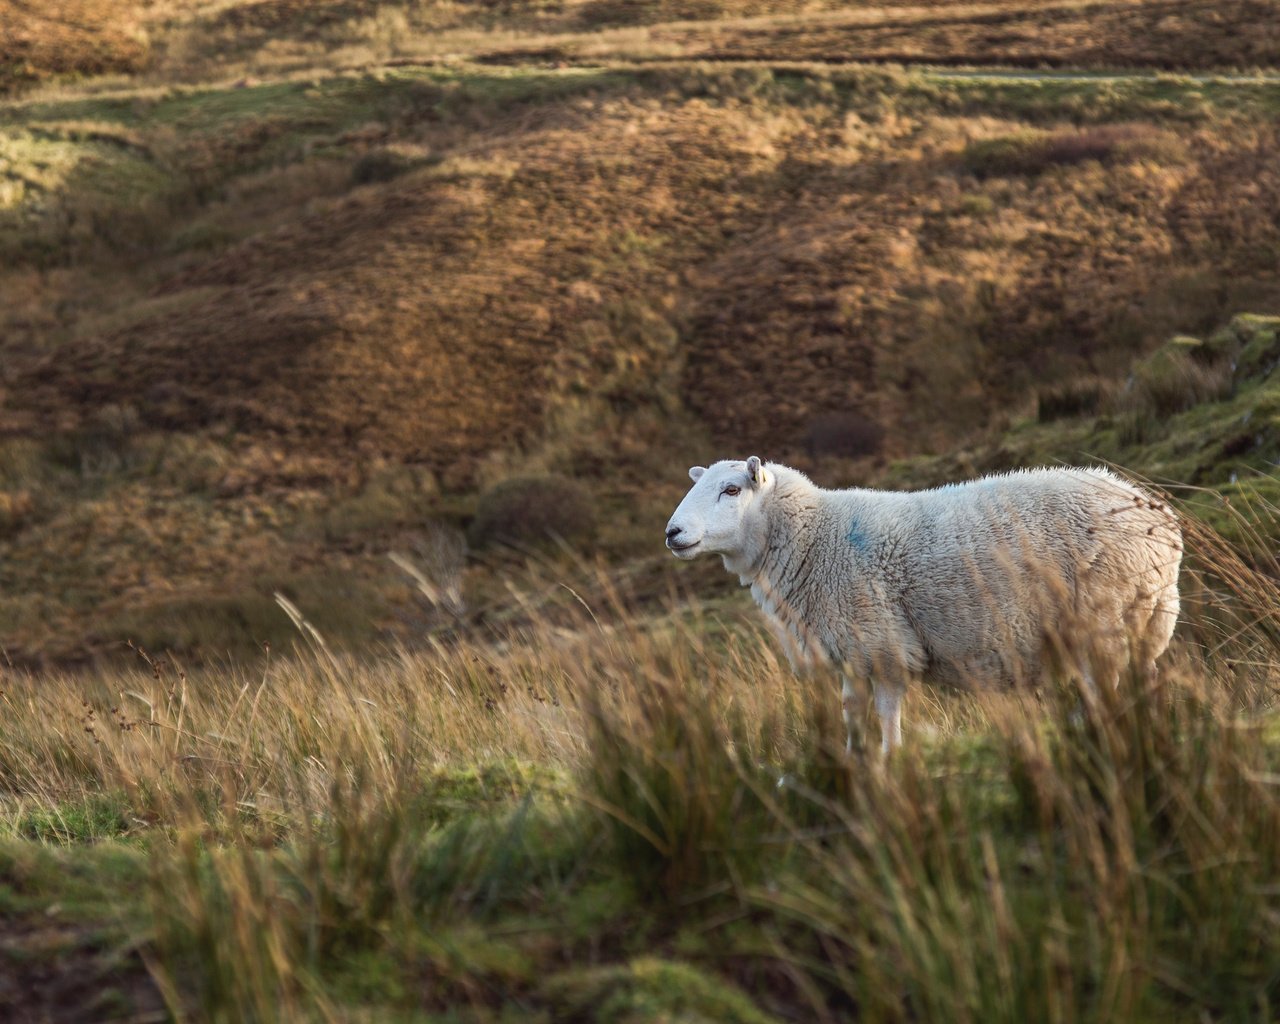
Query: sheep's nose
(673, 532)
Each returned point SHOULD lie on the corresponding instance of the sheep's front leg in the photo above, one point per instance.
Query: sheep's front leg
(888, 696)
(848, 697)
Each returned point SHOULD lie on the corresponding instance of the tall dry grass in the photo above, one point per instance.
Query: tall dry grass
(668, 784)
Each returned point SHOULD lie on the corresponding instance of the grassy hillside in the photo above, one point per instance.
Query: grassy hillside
(1009, 33)
(163, 41)
(318, 320)
(199, 40)
(39, 41)
(257, 336)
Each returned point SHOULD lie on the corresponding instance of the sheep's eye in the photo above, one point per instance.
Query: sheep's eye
(732, 490)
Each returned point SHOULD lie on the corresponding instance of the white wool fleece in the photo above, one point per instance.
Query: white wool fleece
(968, 584)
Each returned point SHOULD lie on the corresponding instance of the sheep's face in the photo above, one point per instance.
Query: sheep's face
(722, 514)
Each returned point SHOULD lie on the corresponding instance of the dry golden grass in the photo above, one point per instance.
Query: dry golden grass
(273, 36)
(510, 817)
(269, 739)
(68, 37)
(577, 645)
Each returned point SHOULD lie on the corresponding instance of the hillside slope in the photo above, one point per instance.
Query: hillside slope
(256, 335)
(1198, 416)
(70, 37)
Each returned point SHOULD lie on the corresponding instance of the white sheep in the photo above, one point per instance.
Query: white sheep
(982, 583)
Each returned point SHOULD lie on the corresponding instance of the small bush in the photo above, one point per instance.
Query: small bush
(847, 434)
(104, 443)
(16, 508)
(1034, 152)
(532, 510)
(1173, 380)
(379, 165)
(1077, 398)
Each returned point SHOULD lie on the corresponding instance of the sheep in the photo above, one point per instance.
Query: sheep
(987, 583)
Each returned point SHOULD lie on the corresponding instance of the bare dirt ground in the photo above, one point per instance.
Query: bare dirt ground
(54, 973)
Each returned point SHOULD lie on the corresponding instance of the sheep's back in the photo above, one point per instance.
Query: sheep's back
(1006, 564)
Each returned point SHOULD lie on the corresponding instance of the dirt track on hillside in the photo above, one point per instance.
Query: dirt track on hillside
(1168, 35)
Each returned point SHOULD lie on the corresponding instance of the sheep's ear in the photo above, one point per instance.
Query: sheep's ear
(695, 473)
(755, 471)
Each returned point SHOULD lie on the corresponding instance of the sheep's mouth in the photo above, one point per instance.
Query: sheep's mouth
(680, 549)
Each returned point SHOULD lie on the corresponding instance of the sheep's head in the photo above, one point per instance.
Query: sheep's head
(722, 514)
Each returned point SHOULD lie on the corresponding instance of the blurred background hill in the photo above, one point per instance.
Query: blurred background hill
(289, 287)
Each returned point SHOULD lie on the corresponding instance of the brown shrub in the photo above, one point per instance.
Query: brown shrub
(1075, 398)
(379, 165)
(16, 508)
(1034, 152)
(1172, 380)
(104, 443)
(275, 15)
(849, 435)
(532, 510)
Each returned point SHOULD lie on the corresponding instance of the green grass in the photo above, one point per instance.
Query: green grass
(99, 816)
(88, 882)
(650, 988)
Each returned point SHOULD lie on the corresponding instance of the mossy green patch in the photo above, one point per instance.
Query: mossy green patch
(650, 989)
(92, 883)
(1094, 98)
(96, 817)
(453, 792)
(1260, 336)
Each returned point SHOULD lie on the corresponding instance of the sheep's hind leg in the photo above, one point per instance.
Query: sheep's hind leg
(888, 696)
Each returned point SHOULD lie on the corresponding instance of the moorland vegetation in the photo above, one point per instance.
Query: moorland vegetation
(351, 356)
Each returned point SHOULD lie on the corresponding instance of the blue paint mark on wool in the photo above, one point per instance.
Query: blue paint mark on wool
(856, 538)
